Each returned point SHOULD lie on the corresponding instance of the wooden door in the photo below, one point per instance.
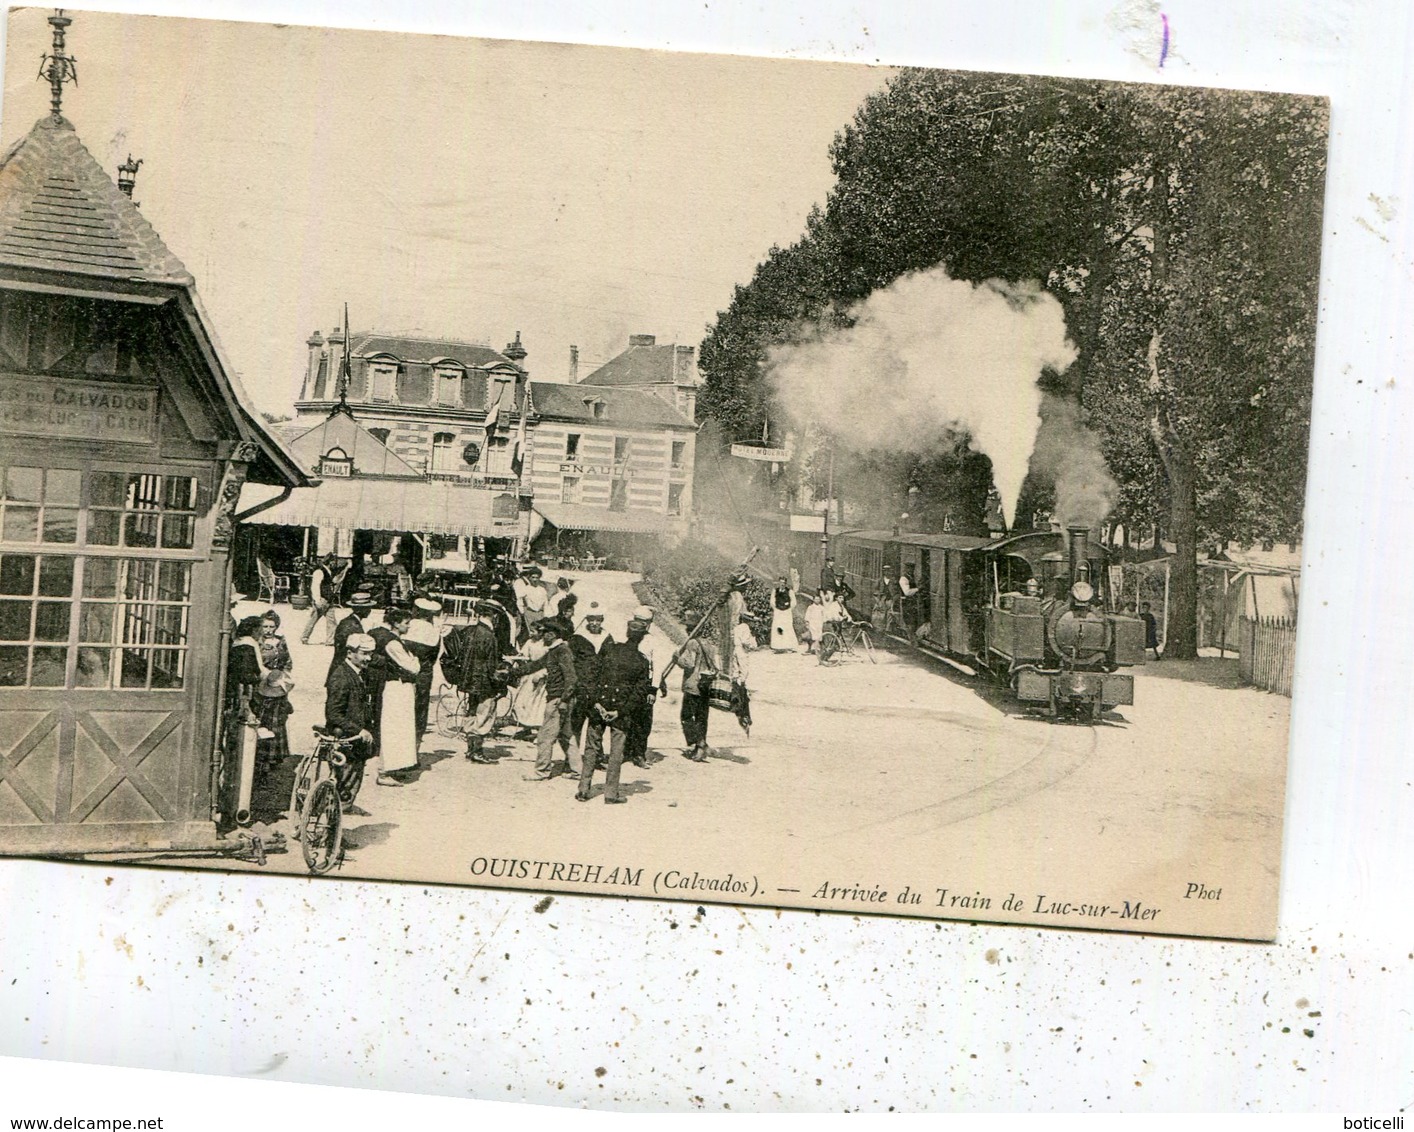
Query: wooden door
(109, 622)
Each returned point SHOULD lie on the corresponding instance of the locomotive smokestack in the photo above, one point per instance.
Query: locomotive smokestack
(1079, 552)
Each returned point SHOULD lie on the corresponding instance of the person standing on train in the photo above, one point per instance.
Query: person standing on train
(908, 599)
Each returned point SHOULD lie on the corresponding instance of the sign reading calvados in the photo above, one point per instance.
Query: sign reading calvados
(58, 406)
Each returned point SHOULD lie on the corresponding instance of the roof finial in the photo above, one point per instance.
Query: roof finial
(57, 67)
(345, 370)
(127, 175)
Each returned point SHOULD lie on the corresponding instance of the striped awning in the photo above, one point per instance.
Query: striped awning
(582, 517)
(439, 508)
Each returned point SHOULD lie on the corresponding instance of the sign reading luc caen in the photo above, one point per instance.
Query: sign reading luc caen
(59, 406)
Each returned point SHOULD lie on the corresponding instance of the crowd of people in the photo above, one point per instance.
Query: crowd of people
(527, 660)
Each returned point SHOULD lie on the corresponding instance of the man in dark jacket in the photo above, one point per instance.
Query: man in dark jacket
(470, 660)
(623, 686)
(587, 645)
(348, 713)
(360, 605)
(640, 725)
(560, 683)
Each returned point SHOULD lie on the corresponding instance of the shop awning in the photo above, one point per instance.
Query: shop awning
(582, 517)
(425, 507)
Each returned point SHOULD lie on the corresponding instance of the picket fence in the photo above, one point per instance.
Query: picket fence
(1268, 652)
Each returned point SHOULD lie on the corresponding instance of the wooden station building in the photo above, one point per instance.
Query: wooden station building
(125, 440)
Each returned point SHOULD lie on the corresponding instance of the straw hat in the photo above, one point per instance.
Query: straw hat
(276, 683)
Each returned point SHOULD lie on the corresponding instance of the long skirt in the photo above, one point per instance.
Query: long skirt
(274, 713)
(397, 727)
(783, 631)
(815, 624)
(528, 700)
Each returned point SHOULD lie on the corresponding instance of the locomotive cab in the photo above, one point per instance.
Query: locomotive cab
(1061, 649)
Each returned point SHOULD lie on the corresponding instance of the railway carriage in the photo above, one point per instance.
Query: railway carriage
(1030, 610)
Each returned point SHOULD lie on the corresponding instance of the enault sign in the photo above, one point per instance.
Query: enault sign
(597, 469)
(55, 406)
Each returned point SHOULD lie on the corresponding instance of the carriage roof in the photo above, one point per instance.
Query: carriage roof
(937, 541)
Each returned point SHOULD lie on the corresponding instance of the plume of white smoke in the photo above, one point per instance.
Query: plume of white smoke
(929, 357)
(1068, 453)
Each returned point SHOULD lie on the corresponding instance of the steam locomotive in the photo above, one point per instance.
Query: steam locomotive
(1032, 611)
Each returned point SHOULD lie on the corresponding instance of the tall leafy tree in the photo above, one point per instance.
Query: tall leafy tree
(1178, 227)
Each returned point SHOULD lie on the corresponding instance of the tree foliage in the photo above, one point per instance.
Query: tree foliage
(1178, 227)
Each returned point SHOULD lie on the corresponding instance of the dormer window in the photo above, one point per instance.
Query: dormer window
(598, 410)
(383, 381)
(448, 388)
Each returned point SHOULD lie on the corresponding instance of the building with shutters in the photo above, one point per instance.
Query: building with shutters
(519, 461)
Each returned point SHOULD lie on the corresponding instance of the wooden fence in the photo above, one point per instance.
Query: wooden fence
(1268, 652)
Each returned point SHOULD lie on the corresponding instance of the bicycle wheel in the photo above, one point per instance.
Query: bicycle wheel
(449, 713)
(299, 792)
(829, 647)
(321, 828)
(868, 643)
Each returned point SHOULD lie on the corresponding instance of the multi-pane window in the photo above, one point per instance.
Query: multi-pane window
(572, 446)
(122, 622)
(569, 489)
(126, 509)
(41, 505)
(618, 495)
(444, 452)
(90, 596)
(679, 452)
(621, 449)
(674, 499)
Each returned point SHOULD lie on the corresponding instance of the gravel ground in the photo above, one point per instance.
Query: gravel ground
(861, 778)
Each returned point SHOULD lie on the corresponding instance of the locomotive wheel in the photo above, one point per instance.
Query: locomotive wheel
(829, 646)
(321, 828)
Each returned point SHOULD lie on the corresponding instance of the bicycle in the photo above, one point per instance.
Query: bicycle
(315, 807)
(841, 641)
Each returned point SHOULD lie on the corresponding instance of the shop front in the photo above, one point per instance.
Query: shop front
(396, 532)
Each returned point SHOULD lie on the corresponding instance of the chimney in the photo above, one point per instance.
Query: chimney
(516, 352)
(684, 371)
(1079, 553)
(574, 364)
(641, 339)
(311, 371)
(336, 361)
